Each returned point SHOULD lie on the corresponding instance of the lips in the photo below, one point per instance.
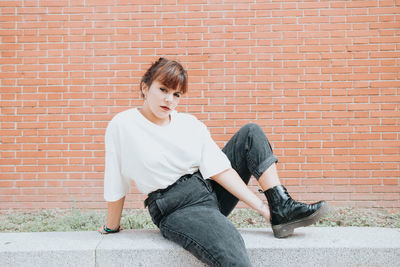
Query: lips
(165, 108)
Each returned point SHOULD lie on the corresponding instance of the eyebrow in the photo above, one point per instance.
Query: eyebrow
(169, 89)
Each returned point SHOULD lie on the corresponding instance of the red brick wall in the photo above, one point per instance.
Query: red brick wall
(320, 77)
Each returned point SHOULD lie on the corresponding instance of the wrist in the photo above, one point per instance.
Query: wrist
(263, 210)
(110, 230)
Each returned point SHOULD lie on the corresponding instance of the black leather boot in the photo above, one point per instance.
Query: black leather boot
(288, 214)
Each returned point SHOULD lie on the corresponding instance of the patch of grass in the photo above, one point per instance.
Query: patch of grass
(50, 221)
(247, 218)
(137, 219)
(361, 218)
(69, 220)
(81, 220)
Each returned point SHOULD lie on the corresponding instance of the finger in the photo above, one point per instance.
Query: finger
(101, 231)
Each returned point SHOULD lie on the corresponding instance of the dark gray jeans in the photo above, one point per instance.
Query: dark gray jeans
(192, 211)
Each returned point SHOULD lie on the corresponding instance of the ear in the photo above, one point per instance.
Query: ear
(144, 89)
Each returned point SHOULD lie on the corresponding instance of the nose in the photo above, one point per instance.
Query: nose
(169, 97)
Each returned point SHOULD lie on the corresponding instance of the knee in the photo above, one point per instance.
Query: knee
(252, 128)
(254, 132)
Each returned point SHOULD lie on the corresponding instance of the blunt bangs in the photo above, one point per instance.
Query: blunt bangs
(173, 76)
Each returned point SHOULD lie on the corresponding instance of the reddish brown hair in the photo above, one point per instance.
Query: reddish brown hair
(169, 73)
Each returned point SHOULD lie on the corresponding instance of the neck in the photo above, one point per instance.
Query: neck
(150, 116)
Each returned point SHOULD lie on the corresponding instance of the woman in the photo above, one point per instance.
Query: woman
(191, 184)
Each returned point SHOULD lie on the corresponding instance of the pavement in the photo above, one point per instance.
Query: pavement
(310, 246)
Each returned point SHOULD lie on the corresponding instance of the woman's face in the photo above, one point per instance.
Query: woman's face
(159, 102)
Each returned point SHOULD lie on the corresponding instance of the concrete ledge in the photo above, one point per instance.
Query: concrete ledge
(312, 246)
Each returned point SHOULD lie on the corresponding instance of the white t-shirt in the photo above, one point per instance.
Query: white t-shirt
(154, 156)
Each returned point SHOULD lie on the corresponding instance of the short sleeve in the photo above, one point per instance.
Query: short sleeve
(115, 185)
(213, 160)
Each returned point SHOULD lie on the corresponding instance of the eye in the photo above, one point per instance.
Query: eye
(163, 90)
(177, 95)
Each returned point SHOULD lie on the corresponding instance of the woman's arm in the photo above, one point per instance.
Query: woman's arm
(114, 212)
(232, 182)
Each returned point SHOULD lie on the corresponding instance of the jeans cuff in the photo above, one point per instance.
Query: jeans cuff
(264, 166)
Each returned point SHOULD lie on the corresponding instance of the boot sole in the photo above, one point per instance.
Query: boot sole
(286, 229)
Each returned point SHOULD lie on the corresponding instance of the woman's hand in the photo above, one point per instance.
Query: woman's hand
(232, 182)
(264, 211)
(104, 232)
